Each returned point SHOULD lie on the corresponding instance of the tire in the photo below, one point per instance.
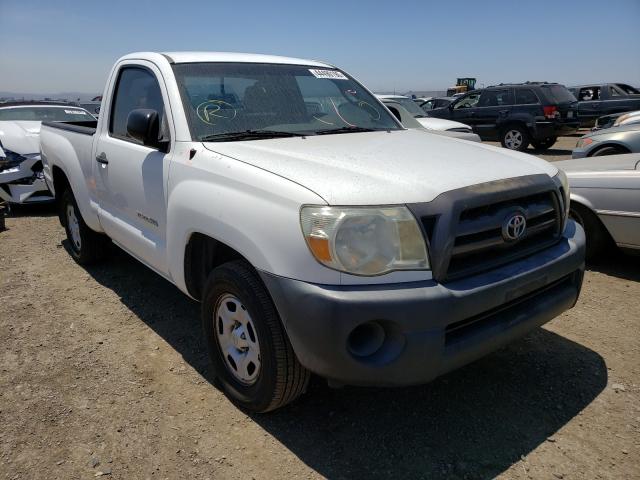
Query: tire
(85, 245)
(611, 150)
(544, 144)
(241, 325)
(597, 236)
(515, 137)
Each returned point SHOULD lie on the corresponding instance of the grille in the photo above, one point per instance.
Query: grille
(478, 242)
(464, 329)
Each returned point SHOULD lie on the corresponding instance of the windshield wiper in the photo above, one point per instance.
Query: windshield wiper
(348, 130)
(249, 135)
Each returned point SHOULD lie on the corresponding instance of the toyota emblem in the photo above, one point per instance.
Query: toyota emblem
(514, 227)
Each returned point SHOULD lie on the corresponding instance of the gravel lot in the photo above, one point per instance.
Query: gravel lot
(103, 373)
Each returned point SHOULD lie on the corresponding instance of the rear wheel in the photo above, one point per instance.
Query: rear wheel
(544, 144)
(515, 137)
(610, 150)
(595, 232)
(249, 348)
(85, 245)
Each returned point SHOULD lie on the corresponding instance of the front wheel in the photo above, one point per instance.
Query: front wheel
(515, 137)
(251, 354)
(85, 245)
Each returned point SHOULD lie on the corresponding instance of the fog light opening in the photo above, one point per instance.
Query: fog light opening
(366, 339)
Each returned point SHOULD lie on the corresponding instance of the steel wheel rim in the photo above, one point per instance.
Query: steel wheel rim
(513, 139)
(237, 339)
(74, 227)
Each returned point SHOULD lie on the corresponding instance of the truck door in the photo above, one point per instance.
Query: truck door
(131, 178)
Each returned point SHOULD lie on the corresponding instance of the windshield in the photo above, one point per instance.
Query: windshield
(227, 98)
(48, 114)
(412, 107)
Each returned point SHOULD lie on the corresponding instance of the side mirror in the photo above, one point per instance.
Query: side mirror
(144, 124)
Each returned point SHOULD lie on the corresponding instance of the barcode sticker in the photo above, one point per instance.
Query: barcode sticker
(331, 74)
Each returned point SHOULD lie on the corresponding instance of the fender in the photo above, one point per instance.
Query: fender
(582, 200)
(258, 216)
(606, 143)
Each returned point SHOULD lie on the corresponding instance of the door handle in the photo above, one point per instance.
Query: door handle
(102, 158)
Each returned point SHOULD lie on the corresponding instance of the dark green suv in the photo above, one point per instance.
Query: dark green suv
(517, 115)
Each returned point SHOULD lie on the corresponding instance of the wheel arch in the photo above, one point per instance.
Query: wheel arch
(585, 203)
(608, 144)
(203, 253)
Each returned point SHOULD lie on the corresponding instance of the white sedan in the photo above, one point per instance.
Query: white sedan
(21, 177)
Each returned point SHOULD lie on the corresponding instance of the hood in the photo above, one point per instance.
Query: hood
(630, 161)
(20, 136)
(432, 123)
(375, 168)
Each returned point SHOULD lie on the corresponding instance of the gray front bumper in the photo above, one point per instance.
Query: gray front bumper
(430, 328)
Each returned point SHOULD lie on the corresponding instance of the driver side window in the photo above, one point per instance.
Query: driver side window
(136, 88)
(428, 105)
(469, 101)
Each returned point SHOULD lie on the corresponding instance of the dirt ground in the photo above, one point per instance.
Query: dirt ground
(103, 374)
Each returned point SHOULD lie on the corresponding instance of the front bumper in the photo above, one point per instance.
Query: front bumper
(580, 152)
(429, 328)
(21, 184)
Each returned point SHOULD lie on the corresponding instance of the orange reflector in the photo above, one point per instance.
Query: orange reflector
(320, 248)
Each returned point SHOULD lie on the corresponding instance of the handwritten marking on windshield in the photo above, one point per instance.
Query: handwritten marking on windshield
(211, 109)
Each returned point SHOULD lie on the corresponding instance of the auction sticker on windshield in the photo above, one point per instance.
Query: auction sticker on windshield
(331, 74)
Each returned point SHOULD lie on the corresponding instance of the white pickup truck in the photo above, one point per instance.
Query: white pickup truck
(318, 234)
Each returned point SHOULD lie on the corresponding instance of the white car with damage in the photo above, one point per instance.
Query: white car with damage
(319, 235)
(21, 177)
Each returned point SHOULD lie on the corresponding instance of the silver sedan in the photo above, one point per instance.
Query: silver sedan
(605, 199)
(609, 141)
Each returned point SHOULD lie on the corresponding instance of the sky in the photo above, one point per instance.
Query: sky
(63, 45)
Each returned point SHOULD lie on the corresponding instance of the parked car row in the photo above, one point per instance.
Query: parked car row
(517, 115)
(411, 116)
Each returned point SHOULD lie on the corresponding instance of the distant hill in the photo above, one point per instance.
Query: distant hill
(67, 96)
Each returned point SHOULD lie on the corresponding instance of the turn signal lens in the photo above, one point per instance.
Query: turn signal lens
(583, 142)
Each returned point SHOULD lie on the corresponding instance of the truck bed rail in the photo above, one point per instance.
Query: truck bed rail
(86, 128)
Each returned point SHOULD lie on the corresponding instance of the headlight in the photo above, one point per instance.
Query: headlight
(9, 159)
(564, 182)
(364, 240)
